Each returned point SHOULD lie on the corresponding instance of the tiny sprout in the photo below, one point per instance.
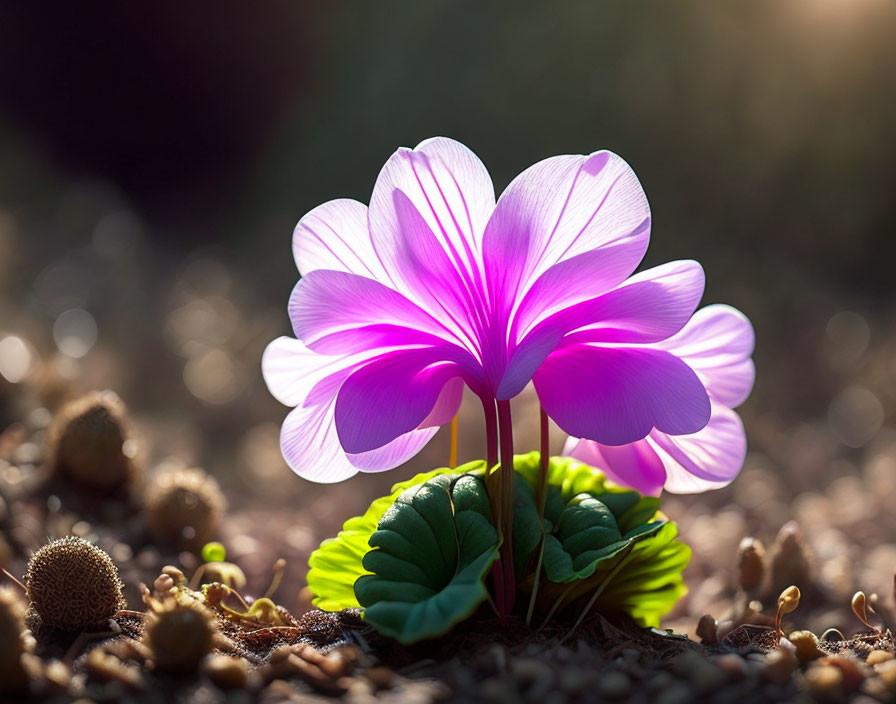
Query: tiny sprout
(213, 552)
(860, 609)
(787, 603)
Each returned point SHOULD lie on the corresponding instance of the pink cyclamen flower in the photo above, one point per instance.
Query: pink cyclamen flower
(717, 344)
(435, 286)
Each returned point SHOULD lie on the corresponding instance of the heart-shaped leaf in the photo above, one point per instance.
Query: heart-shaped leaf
(597, 536)
(431, 552)
(337, 563)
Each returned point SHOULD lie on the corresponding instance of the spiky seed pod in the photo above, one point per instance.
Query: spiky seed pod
(750, 564)
(73, 585)
(12, 624)
(179, 635)
(790, 561)
(86, 442)
(184, 507)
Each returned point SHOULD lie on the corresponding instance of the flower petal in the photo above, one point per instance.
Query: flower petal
(618, 395)
(636, 465)
(580, 278)
(395, 453)
(707, 459)
(717, 343)
(390, 396)
(334, 312)
(557, 209)
(335, 236)
(650, 306)
(292, 371)
(310, 445)
(451, 189)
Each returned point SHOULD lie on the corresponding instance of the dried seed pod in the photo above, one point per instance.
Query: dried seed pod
(73, 585)
(184, 507)
(806, 644)
(787, 603)
(13, 677)
(750, 564)
(790, 560)
(179, 635)
(708, 629)
(89, 443)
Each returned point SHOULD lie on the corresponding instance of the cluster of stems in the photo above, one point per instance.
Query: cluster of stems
(499, 482)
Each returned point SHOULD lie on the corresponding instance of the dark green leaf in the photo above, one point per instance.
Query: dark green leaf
(432, 550)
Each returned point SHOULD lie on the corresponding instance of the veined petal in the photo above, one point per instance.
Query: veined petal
(707, 459)
(335, 312)
(580, 278)
(717, 343)
(636, 465)
(390, 396)
(335, 236)
(650, 306)
(557, 209)
(451, 189)
(310, 445)
(618, 395)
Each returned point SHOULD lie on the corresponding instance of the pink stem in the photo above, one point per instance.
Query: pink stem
(505, 425)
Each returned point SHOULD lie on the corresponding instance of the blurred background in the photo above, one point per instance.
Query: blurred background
(154, 160)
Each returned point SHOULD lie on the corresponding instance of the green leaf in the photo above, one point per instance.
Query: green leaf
(337, 563)
(651, 581)
(591, 527)
(430, 555)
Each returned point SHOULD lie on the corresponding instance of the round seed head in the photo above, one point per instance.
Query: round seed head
(184, 507)
(88, 442)
(179, 635)
(73, 585)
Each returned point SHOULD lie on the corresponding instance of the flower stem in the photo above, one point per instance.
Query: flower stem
(545, 461)
(491, 434)
(505, 425)
(452, 454)
(541, 495)
(493, 486)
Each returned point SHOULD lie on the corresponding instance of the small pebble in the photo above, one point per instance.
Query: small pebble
(630, 655)
(875, 657)
(574, 680)
(615, 685)
(734, 666)
(778, 666)
(380, 677)
(824, 681)
(226, 672)
(887, 672)
(677, 693)
(850, 668)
